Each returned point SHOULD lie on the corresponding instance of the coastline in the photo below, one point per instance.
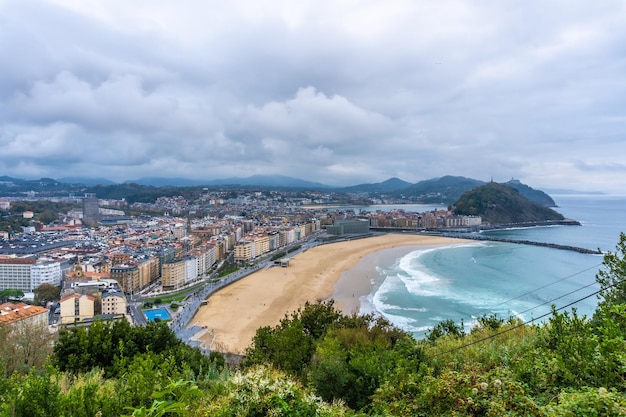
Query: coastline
(354, 285)
(341, 270)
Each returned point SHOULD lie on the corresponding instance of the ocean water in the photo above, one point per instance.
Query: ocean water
(463, 282)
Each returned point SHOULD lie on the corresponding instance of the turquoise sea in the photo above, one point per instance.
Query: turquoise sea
(463, 282)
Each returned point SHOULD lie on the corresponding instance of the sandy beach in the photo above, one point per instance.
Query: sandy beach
(233, 314)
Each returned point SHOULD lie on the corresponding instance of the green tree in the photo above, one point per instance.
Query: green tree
(290, 345)
(11, 294)
(351, 363)
(112, 345)
(446, 328)
(612, 276)
(32, 395)
(46, 292)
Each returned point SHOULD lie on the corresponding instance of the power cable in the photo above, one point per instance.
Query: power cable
(517, 326)
(547, 285)
(558, 298)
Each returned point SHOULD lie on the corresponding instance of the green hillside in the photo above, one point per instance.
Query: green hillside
(501, 204)
(441, 190)
(537, 196)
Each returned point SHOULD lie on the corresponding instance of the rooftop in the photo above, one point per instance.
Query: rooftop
(14, 312)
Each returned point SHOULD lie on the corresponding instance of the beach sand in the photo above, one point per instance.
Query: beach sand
(342, 271)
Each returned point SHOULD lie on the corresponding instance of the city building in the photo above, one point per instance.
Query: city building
(127, 276)
(15, 273)
(91, 209)
(173, 274)
(244, 250)
(45, 271)
(191, 269)
(12, 314)
(77, 308)
(113, 302)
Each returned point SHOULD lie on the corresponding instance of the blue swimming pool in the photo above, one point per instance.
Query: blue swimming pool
(157, 313)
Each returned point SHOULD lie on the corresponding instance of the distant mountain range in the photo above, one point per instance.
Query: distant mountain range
(446, 189)
(255, 180)
(86, 181)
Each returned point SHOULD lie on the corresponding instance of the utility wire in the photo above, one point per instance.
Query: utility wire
(558, 298)
(517, 326)
(547, 285)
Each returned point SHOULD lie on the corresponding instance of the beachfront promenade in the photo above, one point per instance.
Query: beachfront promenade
(180, 322)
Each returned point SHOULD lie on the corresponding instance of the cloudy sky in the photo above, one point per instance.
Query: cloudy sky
(337, 91)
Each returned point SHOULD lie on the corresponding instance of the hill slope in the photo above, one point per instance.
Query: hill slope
(390, 185)
(501, 204)
(445, 189)
(537, 196)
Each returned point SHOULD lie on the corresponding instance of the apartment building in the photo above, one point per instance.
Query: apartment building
(113, 302)
(287, 236)
(13, 314)
(191, 268)
(148, 271)
(274, 240)
(261, 244)
(205, 255)
(173, 274)
(46, 271)
(127, 276)
(77, 308)
(245, 250)
(15, 273)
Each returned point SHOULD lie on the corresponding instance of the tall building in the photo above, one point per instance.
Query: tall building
(173, 274)
(45, 272)
(113, 302)
(127, 276)
(91, 214)
(15, 273)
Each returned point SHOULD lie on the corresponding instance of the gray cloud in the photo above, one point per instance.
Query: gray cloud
(341, 93)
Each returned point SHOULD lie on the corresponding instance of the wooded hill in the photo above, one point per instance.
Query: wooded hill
(501, 204)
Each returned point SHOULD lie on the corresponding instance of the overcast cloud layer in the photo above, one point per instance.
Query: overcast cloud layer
(340, 92)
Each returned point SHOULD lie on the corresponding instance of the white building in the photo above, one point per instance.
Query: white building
(191, 268)
(15, 273)
(45, 271)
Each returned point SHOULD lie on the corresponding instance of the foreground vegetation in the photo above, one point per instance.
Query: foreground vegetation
(318, 362)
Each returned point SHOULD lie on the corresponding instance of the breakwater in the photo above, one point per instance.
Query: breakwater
(525, 242)
(564, 222)
(541, 223)
(471, 233)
